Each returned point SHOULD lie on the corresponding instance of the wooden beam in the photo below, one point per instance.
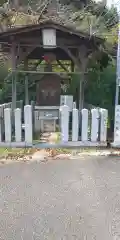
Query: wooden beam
(13, 60)
(81, 92)
(72, 66)
(35, 45)
(37, 72)
(63, 40)
(26, 82)
(62, 66)
(74, 59)
(82, 56)
(36, 65)
(39, 55)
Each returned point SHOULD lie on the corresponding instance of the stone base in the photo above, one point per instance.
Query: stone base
(115, 144)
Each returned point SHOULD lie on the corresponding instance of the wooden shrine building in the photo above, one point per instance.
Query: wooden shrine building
(55, 40)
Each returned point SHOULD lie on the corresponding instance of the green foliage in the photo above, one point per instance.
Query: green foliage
(100, 89)
(2, 2)
(108, 16)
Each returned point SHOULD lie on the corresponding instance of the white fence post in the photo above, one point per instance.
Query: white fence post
(74, 105)
(94, 125)
(1, 121)
(75, 125)
(65, 123)
(84, 133)
(103, 125)
(28, 124)
(0, 130)
(18, 125)
(8, 124)
(117, 125)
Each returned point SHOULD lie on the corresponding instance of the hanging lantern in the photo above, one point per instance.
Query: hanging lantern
(49, 38)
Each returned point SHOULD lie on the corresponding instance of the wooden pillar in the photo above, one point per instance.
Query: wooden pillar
(83, 63)
(81, 88)
(14, 75)
(81, 92)
(72, 66)
(26, 82)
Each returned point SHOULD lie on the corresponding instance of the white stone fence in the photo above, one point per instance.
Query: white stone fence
(94, 125)
(9, 105)
(18, 141)
(93, 129)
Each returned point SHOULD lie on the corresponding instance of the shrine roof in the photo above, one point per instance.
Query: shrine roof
(48, 22)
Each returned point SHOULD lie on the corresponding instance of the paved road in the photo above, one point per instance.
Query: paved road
(69, 199)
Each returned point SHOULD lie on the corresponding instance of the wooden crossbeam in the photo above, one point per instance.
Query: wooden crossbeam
(62, 66)
(38, 72)
(36, 65)
(74, 59)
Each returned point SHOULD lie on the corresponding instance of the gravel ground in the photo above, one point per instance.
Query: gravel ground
(69, 199)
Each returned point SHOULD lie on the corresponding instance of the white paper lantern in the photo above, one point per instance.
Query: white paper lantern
(49, 38)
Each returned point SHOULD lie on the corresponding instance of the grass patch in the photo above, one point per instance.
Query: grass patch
(15, 152)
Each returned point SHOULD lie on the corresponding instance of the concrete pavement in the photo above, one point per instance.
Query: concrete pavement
(62, 199)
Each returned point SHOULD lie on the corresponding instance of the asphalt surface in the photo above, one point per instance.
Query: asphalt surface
(69, 199)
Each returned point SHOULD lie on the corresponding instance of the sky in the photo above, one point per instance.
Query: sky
(115, 3)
